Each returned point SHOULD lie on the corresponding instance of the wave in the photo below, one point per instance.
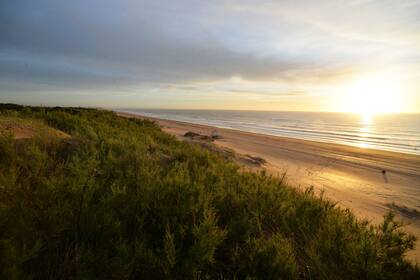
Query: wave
(392, 133)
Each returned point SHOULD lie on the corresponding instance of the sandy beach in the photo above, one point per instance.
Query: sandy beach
(370, 182)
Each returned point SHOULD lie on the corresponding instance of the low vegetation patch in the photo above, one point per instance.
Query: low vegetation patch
(120, 199)
(20, 128)
(197, 136)
(256, 160)
(404, 211)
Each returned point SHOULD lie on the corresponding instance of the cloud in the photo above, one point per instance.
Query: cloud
(62, 43)
(94, 45)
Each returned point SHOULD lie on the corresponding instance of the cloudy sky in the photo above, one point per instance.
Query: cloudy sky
(219, 54)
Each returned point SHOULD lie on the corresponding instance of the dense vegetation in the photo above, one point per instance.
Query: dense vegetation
(121, 199)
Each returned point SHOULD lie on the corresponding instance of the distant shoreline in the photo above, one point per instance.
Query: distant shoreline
(350, 175)
(358, 148)
(383, 134)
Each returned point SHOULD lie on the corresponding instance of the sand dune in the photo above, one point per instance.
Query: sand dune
(370, 182)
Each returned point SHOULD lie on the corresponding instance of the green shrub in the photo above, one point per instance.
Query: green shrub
(120, 199)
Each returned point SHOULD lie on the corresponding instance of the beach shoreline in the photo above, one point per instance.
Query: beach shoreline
(367, 181)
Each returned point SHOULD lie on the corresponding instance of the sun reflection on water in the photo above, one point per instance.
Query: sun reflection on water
(365, 130)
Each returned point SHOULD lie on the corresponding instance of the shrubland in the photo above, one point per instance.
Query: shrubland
(120, 199)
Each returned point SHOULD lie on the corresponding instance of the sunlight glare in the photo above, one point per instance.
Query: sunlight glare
(371, 95)
(366, 122)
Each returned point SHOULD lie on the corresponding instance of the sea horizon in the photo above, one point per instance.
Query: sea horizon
(396, 132)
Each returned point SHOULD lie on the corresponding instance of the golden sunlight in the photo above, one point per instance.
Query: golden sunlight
(371, 95)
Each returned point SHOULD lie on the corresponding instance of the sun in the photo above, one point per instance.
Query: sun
(371, 95)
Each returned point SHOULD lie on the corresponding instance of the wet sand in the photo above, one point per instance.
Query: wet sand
(368, 181)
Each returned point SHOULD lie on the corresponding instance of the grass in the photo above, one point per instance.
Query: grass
(120, 199)
(25, 127)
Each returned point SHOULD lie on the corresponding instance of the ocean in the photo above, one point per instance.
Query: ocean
(392, 132)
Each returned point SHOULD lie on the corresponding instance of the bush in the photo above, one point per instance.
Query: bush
(120, 199)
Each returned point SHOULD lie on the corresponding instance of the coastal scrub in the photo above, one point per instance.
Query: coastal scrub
(120, 199)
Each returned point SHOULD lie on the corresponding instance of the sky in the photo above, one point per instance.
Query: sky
(355, 55)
